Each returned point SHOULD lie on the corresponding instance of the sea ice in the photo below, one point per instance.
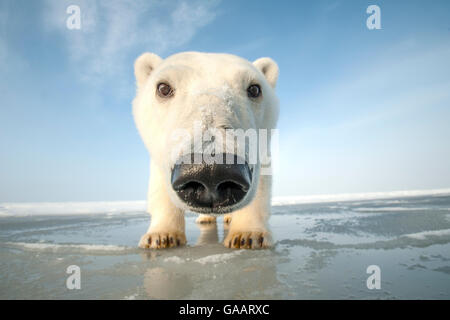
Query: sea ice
(322, 251)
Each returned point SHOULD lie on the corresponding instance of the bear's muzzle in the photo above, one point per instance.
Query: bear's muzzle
(212, 188)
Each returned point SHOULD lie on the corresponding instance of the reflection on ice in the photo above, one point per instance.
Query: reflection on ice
(200, 271)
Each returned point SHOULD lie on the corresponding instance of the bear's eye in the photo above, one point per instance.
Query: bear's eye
(254, 91)
(164, 90)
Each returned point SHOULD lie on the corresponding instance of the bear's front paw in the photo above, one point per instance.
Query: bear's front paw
(205, 219)
(227, 219)
(160, 240)
(248, 240)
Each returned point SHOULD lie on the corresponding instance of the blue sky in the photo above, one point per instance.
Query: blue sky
(361, 110)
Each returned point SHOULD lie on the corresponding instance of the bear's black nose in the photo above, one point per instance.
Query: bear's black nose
(211, 187)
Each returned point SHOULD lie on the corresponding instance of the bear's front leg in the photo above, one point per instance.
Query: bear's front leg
(205, 219)
(167, 226)
(248, 228)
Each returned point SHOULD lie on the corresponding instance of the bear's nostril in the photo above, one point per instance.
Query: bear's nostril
(230, 192)
(193, 188)
(229, 186)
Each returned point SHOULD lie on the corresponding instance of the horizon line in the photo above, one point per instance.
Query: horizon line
(371, 195)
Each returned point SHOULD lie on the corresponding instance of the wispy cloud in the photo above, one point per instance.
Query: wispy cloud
(407, 78)
(112, 31)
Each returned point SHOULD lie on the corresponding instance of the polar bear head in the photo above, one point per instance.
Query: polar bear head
(187, 109)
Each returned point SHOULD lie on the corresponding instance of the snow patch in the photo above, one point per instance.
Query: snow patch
(174, 259)
(218, 258)
(386, 209)
(279, 201)
(40, 246)
(70, 208)
(427, 234)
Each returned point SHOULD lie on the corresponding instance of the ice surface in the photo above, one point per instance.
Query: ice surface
(322, 250)
(121, 207)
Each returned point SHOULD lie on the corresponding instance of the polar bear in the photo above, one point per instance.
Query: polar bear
(187, 94)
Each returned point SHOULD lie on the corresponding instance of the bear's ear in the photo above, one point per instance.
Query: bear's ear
(269, 69)
(145, 65)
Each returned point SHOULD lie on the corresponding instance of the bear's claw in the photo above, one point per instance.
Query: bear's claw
(157, 240)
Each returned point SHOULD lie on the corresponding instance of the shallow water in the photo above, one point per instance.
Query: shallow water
(321, 251)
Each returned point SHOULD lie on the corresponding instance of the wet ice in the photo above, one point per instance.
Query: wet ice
(322, 250)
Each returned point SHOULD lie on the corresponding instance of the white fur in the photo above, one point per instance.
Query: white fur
(210, 89)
